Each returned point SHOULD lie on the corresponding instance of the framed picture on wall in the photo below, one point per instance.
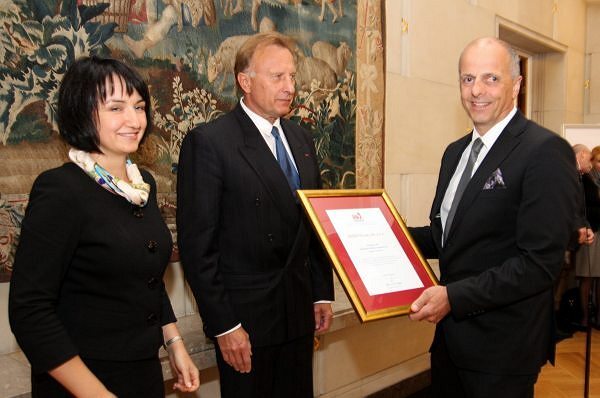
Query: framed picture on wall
(586, 134)
(370, 247)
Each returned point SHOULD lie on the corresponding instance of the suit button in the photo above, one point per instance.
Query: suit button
(270, 237)
(153, 282)
(152, 244)
(257, 202)
(152, 318)
(138, 212)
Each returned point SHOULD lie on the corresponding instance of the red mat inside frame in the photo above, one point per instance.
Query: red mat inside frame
(381, 301)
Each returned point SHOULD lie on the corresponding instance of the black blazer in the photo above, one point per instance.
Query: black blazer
(592, 202)
(247, 250)
(88, 273)
(505, 249)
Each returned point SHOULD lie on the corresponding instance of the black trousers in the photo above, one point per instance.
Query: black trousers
(283, 370)
(448, 380)
(133, 379)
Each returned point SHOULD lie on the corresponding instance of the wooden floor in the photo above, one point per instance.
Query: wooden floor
(566, 379)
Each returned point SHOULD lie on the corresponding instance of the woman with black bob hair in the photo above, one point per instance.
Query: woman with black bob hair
(87, 302)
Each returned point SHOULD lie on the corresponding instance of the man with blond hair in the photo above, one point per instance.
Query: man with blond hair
(258, 273)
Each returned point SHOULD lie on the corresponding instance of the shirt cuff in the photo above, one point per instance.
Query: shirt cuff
(236, 327)
(323, 302)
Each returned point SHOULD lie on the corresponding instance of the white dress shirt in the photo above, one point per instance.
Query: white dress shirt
(265, 127)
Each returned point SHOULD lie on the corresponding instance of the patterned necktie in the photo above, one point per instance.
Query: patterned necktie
(462, 184)
(285, 162)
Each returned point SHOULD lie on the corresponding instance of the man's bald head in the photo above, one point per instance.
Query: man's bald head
(583, 155)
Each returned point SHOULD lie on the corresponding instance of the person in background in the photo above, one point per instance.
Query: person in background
(500, 223)
(587, 258)
(87, 302)
(259, 275)
(583, 235)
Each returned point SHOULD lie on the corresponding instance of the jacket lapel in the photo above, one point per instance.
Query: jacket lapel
(261, 160)
(504, 145)
(447, 171)
(449, 164)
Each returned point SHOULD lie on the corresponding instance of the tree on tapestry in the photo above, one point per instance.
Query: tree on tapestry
(332, 120)
(40, 40)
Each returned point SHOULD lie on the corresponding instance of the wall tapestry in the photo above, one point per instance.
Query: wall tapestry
(185, 49)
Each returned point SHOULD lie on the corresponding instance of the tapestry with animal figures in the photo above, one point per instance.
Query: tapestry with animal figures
(185, 50)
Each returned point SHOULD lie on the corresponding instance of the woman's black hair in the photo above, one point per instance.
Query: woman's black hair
(87, 83)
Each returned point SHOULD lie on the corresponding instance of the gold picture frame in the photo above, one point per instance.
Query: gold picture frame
(357, 227)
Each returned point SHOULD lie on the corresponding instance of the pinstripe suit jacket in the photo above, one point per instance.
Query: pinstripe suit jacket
(248, 252)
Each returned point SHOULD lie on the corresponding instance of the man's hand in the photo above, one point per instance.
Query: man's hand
(323, 315)
(236, 350)
(586, 236)
(432, 305)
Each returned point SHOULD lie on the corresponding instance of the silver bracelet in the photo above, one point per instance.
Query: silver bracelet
(171, 341)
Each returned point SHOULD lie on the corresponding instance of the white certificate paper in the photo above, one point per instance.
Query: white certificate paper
(373, 248)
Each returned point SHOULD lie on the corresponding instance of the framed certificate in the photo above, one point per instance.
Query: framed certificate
(376, 259)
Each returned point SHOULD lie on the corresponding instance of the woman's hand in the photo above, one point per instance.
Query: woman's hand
(188, 378)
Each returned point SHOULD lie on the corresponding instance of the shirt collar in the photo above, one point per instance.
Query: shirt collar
(492, 135)
(262, 124)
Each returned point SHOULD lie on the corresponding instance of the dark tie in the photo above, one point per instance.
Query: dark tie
(462, 184)
(285, 162)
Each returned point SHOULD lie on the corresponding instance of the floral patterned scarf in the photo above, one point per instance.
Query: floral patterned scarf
(136, 193)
